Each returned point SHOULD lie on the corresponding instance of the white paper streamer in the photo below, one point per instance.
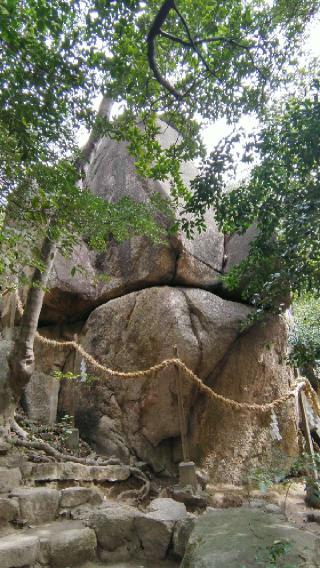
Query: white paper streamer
(83, 371)
(274, 427)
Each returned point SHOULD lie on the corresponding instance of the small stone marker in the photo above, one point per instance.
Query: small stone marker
(71, 439)
(187, 475)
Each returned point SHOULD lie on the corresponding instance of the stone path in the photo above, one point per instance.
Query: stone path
(63, 528)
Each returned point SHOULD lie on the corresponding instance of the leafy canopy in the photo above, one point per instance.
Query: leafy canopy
(281, 197)
(305, 332)
(179, 59)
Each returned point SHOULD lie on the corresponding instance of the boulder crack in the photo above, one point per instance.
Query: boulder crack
(194, 317)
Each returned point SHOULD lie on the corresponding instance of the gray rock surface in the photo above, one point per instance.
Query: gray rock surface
(9, 510)
(116, 531)
(75, 496)
(37, 504)
(156, 527)
(66, 544)
(166, 509)
(41, 398)
(245, 537)
(155, 536)
(9, 478)
(125, 334)
(17, 551)
(137, 263)
(71, 471)
(182, 531)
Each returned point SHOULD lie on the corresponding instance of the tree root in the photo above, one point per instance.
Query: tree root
(22, 440)
(37, 444)
(18, 429)
(137, 494)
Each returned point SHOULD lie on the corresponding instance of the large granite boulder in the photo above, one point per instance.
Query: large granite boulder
(254, 370)
(137, 263)
(158, 300)
(243, 537)
(142, 329)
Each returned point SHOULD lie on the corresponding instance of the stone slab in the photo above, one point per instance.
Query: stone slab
(9, 510)
(10, 478)
(37, 504)
(18, 550)
(246, 537)
(75, 496)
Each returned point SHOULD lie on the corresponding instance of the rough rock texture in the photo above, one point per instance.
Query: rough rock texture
(70, 471)
(137, 263)
(254, 370)
(60, 544)
(156, 527)
(9, 510)
(75, 496)
(41, 398)
(243, 537)
(9, 479)
(18, 551)
(142, 413)
(66, 544)
(116, 531)
(37, 505)
(156, 298)
(123, 532)
(182, 531)
(125, 334)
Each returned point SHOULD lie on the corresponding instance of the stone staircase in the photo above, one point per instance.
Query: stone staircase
(45, 526)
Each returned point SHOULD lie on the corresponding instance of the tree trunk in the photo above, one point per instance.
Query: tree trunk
(21, 357)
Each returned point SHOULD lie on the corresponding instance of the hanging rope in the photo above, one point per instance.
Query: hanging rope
(189, 374)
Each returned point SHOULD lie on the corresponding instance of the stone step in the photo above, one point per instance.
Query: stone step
(37, 505)
(18, 550)
(60, 544)
(10, 478)
(71, 471)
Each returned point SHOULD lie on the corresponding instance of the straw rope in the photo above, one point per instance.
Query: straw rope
(176, 362)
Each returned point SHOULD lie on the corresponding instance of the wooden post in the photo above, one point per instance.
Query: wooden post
(307, 434)
(181, 411)
(312, 485)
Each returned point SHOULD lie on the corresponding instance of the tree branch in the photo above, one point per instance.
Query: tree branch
(151, 49)
(156, 30)
(193, 45)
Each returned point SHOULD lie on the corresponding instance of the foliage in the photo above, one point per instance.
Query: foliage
(70, 376)
(282, 472)
(223, 59)
(274, 556)
(281, 198)
(46, 207)
(305, 331)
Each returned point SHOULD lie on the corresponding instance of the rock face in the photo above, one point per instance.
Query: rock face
(124, 334)
(156, 301)
(242, 537)
(137, 263)
(253, 371)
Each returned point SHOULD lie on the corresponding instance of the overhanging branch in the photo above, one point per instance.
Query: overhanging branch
(156, 30)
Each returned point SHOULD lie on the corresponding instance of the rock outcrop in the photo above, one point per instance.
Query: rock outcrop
(137, 263)
(243, 537)
(158, 299)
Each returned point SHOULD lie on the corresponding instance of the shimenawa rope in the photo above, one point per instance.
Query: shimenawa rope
(148, 373)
